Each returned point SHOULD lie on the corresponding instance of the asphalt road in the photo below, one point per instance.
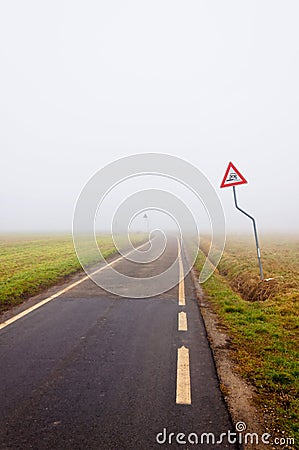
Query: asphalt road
(90, 370)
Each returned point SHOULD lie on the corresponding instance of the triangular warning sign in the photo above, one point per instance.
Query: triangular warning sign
(232, 177)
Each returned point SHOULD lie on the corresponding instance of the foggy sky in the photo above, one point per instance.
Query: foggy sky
(87, 82)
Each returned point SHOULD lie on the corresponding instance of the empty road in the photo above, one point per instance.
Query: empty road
(91, 370)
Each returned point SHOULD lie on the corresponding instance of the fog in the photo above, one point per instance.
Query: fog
(85, 83)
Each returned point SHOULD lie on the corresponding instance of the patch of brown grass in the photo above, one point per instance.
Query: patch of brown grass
(280, 259)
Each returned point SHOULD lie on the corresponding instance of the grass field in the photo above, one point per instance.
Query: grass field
(31, 263)
(262, 321)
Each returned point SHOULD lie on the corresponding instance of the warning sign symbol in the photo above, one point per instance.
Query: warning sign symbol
(232, 177)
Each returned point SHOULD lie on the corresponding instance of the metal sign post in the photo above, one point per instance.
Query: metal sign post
(255, 233)
(232, 178)
(147, 222)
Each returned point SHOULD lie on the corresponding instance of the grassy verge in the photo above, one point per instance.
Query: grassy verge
(262, 321)
(29, 264)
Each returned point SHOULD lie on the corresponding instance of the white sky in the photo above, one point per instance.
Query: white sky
(85, 82)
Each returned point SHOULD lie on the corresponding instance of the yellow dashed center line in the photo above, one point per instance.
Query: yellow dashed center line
(182, 301)
(183, 385)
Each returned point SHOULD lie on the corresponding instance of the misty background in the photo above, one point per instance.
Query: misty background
(85, 83)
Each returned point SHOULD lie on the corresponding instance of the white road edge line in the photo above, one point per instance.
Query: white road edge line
(182, 322)
(182, 300)
(183, 386)
(62, 291)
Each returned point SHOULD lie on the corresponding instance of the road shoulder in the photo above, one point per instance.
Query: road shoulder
(240, 396)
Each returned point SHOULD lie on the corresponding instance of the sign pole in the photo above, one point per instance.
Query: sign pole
(147, 222)
(233, 178)
(255, 233)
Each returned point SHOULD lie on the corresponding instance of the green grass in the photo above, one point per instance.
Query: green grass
(31, 263)
(262, 321)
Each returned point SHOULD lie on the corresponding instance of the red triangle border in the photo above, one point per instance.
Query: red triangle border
(232, 166)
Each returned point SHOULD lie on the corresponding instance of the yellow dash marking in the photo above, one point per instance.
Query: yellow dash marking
(182, 301)
(182, 322)
(183, 387)
(62, 291)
